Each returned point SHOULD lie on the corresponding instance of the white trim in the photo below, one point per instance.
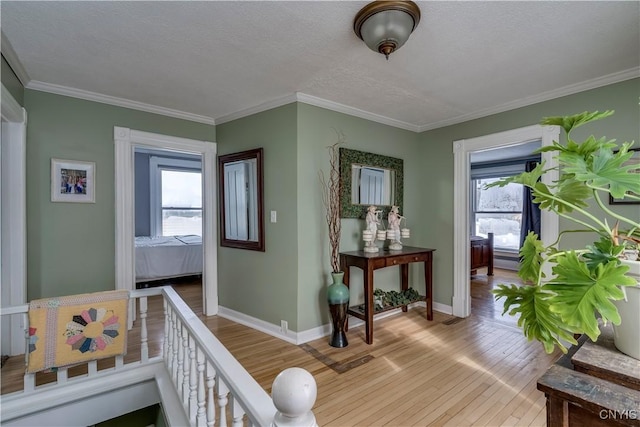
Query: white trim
(313, 333)
(462, 149)
(620, 76)
(13, 228)
(126, 390)
(113, 100)
(356, 112)
(13, 61)
(125, 139)
(274, 103)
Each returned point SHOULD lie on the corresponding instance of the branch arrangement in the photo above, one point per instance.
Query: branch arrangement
(331, 201)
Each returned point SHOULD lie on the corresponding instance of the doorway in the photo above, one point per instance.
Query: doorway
(13, 219)
(462, 150)
(126, 140)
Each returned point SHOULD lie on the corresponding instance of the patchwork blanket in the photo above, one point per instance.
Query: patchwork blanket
(68, 330)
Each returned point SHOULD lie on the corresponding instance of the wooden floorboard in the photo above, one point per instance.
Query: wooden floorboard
(478, 371)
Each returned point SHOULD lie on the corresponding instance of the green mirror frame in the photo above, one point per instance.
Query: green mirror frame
(350, 157)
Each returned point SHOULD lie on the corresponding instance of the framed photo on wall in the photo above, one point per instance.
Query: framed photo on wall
(72, 181)
(634, 160)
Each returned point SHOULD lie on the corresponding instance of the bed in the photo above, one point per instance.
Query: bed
(482, 253)
(165, 257)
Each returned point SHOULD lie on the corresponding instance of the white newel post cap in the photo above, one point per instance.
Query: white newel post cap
(294, 393)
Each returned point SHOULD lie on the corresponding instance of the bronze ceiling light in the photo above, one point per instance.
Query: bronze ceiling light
(385, 26)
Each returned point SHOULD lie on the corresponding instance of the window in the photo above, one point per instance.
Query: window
(176, 196)
(497, 210)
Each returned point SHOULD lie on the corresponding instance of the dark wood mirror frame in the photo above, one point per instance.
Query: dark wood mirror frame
(256, 154)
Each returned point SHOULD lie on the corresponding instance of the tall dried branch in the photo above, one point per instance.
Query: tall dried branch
(331, 200)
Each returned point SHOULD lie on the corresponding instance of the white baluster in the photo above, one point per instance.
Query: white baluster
(211, 407)
(119, 362)
(62, 375)
(223, 391)
(169, 326)
(186, 368)
(144, 345)
(165, 341)
(180, 367)
(237, 413)
(294, 392)
(201, 419)
(30, 382)
(92, 368)
(174, 350)
(193, 381)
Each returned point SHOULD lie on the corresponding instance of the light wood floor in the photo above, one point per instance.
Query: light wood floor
(476, 371)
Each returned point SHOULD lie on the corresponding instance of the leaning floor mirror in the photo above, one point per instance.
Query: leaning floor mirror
(240, 180)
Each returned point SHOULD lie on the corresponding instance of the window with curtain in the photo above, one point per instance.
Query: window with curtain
(497, 210)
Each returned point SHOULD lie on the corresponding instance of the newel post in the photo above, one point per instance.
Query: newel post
(294, 393)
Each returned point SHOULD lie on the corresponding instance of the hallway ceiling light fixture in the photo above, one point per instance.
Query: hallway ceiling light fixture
(384, 26)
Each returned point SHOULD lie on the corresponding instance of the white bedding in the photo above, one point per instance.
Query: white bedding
(164, 257)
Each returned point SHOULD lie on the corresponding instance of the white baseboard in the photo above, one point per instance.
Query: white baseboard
(318, 332)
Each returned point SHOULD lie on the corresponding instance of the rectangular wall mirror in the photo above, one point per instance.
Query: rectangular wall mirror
(241, 184)
(369, 179)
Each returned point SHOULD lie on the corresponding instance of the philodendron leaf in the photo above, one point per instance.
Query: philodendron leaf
(580, 292)
(601, 252)
(528, 179)
(572, 122)
(531, 255)
(604, 169)
(568, 194)
(536, 319)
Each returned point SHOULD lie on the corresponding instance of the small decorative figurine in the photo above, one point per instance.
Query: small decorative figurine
(370, 234)
(394, 233)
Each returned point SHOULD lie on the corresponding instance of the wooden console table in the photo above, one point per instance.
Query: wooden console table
(369, 262)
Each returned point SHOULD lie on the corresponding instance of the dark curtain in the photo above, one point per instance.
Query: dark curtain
(530, 210)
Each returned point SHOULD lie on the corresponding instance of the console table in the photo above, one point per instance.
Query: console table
(369, 262)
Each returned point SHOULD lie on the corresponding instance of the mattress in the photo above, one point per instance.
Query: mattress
(167, 256)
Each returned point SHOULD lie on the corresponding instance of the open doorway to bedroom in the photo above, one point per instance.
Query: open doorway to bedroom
(168, 217)
(463, 150)
(127, 141)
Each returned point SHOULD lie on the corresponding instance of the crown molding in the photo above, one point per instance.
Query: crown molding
(274, 103)
(119, 102)
(621, 76)
(13, 61)
(352, 111)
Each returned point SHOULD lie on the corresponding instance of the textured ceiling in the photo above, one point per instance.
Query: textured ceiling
(214, 59)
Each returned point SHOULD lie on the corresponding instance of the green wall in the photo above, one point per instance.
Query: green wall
(71, 246)
(436, 152)
(11, 82)
(264, 284)
(316, 131)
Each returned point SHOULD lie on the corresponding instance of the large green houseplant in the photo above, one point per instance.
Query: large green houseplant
(584, 282)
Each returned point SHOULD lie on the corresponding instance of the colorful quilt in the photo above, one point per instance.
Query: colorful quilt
(68, 330)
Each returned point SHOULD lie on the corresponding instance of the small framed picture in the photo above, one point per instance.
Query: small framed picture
(72, 181)
(634, 160)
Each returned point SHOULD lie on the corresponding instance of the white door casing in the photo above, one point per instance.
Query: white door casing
(125, 140)
(462, 149)
(13, 249)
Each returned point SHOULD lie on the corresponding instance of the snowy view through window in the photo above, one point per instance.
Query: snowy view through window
(498, 210)
(181, 203)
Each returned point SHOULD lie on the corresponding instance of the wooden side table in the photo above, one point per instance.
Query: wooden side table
(593, 385)
(369, 262)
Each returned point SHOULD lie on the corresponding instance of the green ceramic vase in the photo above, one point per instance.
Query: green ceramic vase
(338, 298)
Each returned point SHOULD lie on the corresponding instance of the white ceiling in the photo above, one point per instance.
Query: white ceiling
(212, 61)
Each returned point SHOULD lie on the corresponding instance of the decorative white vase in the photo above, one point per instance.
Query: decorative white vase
(626, 336)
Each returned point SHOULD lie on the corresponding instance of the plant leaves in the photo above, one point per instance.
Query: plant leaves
(568, 193)
(571, 122)
(580, 292)
(536, 319)
(531, 258)
(601, 252)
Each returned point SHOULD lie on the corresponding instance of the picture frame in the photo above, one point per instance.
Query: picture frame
(72, 181)
(634, 160)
